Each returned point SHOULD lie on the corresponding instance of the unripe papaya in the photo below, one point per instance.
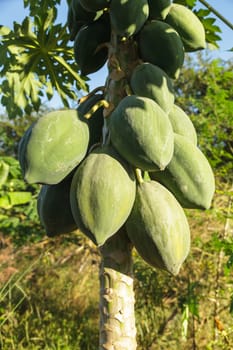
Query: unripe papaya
(90, 45)
(96, 121)
(161, 45)
(94, 5)
(142, 133)
(148, 80)
(53, 146)
(102, 194)
(78, 17)
(128, 16)
(188, 175)
(182, 124)
(158, 228)
(158, 9)
(189, 27)
(54, 210)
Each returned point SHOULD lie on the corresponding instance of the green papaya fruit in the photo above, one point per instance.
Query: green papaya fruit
(161, 45)
(94, 5)
(158, 227)
(72, 25)
(128, 16)
(81, 15)
(189, 27)
(96, 121)
(142, 133)
(90, 51)
(22, 148)
(78, 17)
(182, 124)
(148, 80)
(188, 175)
(102, 194)
(158, 9)
(53, 146)
(54, 210)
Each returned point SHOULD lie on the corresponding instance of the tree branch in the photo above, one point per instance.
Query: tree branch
(221, 17)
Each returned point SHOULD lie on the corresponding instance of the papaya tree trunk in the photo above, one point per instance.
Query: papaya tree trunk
(117, 319)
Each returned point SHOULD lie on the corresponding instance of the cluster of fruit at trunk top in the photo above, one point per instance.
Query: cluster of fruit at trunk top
(134, 164)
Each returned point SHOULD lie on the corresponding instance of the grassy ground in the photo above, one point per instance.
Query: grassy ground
(49, 291)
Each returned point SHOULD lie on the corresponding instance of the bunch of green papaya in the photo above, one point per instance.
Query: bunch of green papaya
(127, 157)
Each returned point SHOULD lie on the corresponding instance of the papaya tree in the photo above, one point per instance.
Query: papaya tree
(124, 164)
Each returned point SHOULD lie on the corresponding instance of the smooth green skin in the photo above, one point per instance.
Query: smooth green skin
(96, 121)
(80, 13)
(158, 228)
(77, 17)
(161, 45)
(182, 124)
(102, 194)
(54, 210)
(158, 9)
(23, 147)
(87, 52)
(57, 143)
(94, 5)
(189, 27)
(150, 81)
(142, 133)
(188, 176)
(128, 16)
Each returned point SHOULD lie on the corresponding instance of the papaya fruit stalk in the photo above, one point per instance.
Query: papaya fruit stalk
(117, 319)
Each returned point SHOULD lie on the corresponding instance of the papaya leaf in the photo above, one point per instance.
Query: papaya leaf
(40, 7)
(36, 60)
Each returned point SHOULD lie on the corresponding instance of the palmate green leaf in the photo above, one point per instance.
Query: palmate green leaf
(40, 7)
(36, 61)
(4, 30)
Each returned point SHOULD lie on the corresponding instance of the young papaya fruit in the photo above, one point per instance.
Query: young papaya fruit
(54, 210)
(90, 51)
(53, 146)
(96, 121)
(182, 124)
(102, 194)
(94, 5)
(128, 16)
(188, 175)
(161, 45)
(158, 9)
(189, 27)
(142, 133)
(158, 228)
(148, 80)
(77, 17)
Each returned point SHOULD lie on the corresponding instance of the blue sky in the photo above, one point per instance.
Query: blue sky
(13, 10)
